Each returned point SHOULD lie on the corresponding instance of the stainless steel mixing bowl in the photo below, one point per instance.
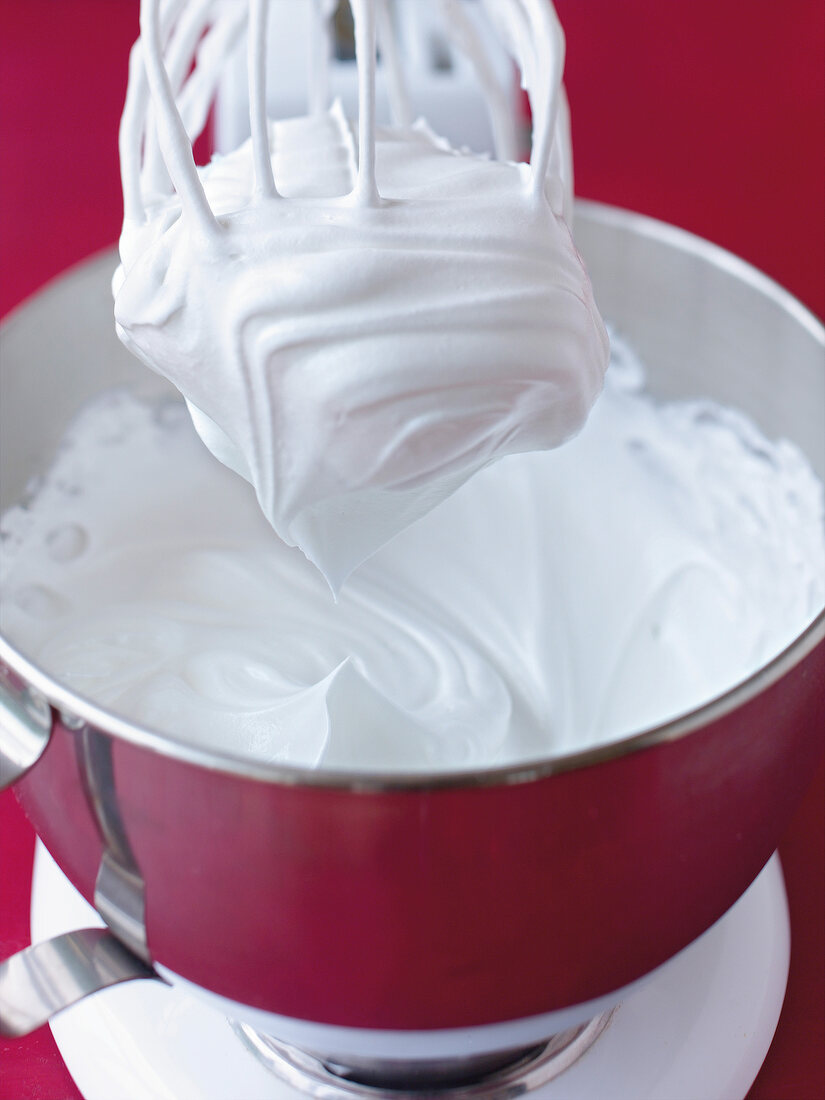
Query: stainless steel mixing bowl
(466, 900)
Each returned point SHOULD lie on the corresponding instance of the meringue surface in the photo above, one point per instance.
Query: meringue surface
(557, 601)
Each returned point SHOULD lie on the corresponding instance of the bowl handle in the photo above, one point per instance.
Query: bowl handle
(47, 977)
(25, 728)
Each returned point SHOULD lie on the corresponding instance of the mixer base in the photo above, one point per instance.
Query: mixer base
(489, 1076)
(700, 1026)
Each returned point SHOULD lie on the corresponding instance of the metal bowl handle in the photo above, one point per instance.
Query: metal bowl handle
(26, 722)
(43, 979)
(47, 977)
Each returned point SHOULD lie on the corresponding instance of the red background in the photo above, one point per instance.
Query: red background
(708, 114)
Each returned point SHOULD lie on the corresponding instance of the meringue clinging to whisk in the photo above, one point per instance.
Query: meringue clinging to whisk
(360, 318)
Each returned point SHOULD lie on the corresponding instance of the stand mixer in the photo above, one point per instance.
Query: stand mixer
(734, 719)
(640, 230)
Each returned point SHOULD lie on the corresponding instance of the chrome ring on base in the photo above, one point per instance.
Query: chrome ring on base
(498, 1076)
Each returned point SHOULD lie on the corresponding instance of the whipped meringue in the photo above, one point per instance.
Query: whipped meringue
(360, 321)
(556, 601)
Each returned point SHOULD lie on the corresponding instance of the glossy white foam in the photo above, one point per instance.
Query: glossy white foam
(359, 320)
(557, 601)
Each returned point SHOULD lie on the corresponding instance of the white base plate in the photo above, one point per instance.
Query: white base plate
(700, 1026)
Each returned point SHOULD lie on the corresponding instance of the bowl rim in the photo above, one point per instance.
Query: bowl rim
(75, 709)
